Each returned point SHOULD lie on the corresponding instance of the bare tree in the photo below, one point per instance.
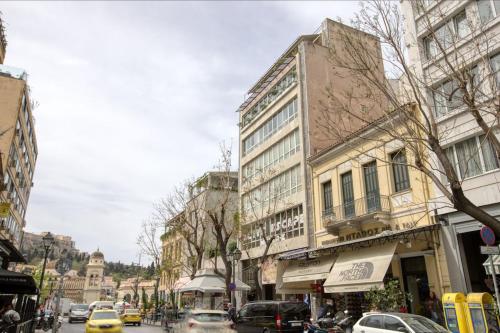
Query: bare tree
(469, 90)
(149, 245)
(264, 198)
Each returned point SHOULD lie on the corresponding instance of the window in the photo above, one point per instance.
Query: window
(271, 126)
(447, 97)
(400, 171)
(488, 9)
(371, 186)
(327, 197)
(495, 67)
(273, 94)
(461, 25)
(283, 225)
(472, 157)
(393, 324)
(347, 194)
(373, 321)
(277, 153)
(451, 31)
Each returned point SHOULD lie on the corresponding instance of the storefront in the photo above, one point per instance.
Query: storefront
(348, 269)
(462, 241)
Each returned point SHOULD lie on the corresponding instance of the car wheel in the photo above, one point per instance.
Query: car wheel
(138, 324)
(70, 321)
(266, 330)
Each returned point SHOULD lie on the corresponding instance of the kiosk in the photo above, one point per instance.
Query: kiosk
(454, 307)
(481, 315)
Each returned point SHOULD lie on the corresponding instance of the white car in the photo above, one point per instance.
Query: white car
(201, 321)
(375, 322)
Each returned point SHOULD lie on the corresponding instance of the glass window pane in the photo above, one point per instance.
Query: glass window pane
(495, 66)
(461, 25)
(489, 156)
(485, 10)
(468, 158)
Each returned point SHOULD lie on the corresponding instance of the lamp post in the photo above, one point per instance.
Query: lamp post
(236, 256)
(47, 241)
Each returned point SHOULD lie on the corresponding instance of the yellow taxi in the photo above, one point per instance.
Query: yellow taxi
(131, 316)
(104, 321)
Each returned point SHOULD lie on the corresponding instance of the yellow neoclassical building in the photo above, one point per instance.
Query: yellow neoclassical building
(371, 223)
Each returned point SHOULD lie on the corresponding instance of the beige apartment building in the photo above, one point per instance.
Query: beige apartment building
(208, 194)
(469, 32)
(18, 154)
(280, 126)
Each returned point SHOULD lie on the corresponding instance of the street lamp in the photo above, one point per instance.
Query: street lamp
(48, 241)
(236, 256)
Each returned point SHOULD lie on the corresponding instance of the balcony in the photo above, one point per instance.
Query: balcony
(373, 208)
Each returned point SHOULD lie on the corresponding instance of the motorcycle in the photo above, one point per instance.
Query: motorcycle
(340, 323)
(47, 321)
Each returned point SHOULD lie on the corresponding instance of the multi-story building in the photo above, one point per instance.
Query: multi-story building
(280, 126)
(371, 213)
(468, 32)
(210, 193)
(18, 152)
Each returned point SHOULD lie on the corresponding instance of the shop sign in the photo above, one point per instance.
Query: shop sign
(375, 231)
(269, 271)
(4, 209)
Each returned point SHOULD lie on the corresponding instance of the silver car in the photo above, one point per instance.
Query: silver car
(78, 312)
(375, 322)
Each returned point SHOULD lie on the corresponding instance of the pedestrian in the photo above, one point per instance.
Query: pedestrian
(434, 308)
(231, 311)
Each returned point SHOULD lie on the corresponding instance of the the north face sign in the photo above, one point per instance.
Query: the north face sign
(358, 271)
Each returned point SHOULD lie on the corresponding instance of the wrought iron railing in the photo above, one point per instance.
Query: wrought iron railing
(352, 210)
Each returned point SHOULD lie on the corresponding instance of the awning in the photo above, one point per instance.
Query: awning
(308, 270)
(206, 281)
(496, 264)
(10, 252)
(360, 270)
(17, 283)
(298, 275)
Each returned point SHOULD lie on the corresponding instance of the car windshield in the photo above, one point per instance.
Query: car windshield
(422, 324)
(80, 307)
(104, 315)
(209, 317)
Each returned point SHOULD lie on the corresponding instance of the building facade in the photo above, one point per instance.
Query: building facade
(18, 154)
(468, 31)
(371, 212)
(280, 126)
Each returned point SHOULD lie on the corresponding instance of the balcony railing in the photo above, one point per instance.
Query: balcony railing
(355, 211)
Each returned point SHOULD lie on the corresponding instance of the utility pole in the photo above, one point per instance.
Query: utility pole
(55, 323)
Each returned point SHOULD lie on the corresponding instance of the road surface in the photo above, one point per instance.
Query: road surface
(80, 328)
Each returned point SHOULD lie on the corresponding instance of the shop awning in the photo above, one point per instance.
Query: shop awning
(308, 270)
(297, 276)
(207, 281)
(16, 283)
(496, 264)
(360, 270)
(9, 252)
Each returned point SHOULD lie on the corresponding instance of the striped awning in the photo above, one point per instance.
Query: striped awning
(496, 264)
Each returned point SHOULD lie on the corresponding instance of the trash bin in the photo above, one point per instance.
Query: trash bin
(454, 306)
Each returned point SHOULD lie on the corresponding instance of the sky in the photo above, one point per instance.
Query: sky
(135, 97)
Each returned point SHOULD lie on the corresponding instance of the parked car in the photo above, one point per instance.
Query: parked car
(101, 321)
(200, 321)
(272, 316)
(131, 316)
(78, 312)
(396, 322)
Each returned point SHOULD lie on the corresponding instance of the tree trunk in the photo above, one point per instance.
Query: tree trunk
(258, 289)
(463, 204)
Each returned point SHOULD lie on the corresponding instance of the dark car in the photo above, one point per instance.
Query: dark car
(272, 316)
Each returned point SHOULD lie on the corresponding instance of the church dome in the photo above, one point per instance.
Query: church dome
(97, 254)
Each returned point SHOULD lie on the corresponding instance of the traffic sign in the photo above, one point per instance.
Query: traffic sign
(487, 235)
(232, 286)
(490, 250)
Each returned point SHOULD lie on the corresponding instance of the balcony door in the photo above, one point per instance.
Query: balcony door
(371, 187)
(348, 194)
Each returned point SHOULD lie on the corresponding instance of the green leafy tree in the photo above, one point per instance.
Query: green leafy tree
(144, 297)
(390, 298)
(46, 285)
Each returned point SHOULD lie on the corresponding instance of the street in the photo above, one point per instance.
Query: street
(80, 328)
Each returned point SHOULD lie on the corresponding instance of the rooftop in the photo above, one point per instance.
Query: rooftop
(13, 72)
